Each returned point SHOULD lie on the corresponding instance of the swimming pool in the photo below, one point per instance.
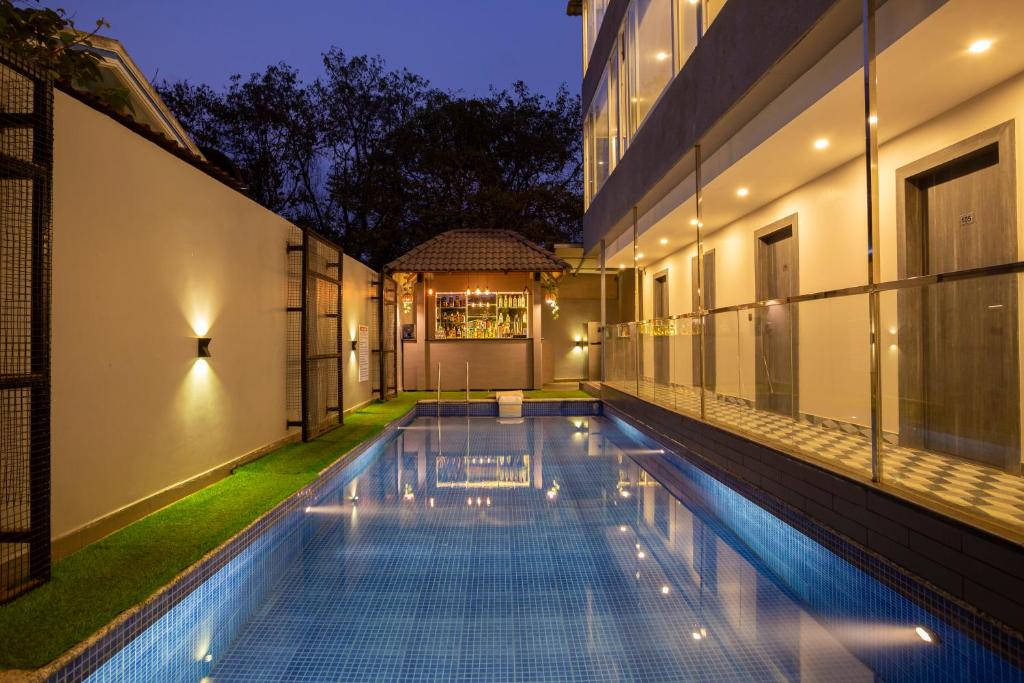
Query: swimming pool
(542, 549)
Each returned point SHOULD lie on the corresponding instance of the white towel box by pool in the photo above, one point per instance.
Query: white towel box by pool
(510, 403)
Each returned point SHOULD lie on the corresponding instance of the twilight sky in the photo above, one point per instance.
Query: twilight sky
(457, 44)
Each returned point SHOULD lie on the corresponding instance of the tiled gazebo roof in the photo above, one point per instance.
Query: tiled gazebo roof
(472, 250)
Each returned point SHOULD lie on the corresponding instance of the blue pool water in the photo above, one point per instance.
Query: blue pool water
(465, 549)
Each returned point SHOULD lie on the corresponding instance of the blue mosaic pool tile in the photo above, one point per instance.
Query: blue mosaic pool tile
(565, 548)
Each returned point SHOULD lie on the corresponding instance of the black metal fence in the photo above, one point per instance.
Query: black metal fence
(26, 177)
(315, 386)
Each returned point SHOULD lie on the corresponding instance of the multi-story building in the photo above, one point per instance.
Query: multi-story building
(820, 203)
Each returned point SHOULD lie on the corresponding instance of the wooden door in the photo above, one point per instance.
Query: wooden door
(776, 277)
(662, 350)
(709, 322)
(959, 384)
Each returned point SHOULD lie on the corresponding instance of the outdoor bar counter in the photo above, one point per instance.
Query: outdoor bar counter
(472, 296)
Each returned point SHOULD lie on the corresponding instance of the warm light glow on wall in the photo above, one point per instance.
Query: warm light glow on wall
(742, 192)
(821, 143)
(980, 46)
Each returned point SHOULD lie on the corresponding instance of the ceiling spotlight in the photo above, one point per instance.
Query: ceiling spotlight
(623, 528)
(694, 222)
(873, 120)
(662, 56)
(821, 143)
(639, 256)
(622, 266)
(742, 192)
(663, 241)
(979, 46)
(664, 590)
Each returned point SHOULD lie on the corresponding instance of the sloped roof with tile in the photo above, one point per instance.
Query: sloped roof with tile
(471, 250)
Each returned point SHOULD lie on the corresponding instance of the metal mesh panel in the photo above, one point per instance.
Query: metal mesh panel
(26, 152)
(294, 329)
(314, 334)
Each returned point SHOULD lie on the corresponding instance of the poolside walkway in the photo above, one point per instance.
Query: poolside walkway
(992, 495)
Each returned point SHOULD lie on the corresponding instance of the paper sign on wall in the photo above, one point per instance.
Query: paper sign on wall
(363, 346)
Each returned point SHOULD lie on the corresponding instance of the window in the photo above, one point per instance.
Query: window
(593, 14)
(653, 53)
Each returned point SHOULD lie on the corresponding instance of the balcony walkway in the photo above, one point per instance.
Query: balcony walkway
(992, 495)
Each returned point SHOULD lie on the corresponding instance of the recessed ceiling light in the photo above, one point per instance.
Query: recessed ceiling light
(639, 256)
(873, 120)
(621, 266)
(821, 143)
(663, 240)
(742, 192)
(694, 222)
(662, 56)
(664, 590)
(979, 46)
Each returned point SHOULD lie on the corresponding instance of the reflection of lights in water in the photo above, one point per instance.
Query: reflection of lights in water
(408, 494)
(665, 590)
(469, 501)
(488, 502)
(325, 509)
(624, 493)
(431, 502)
(696, 635)
(208, 658)
(623, 528)
(641, 555)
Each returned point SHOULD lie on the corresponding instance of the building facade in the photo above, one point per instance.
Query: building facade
(820, 202)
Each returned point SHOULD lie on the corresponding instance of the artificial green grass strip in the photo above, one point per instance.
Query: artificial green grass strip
(92, 586)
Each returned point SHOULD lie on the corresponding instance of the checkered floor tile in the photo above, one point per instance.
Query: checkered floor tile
(988, 493)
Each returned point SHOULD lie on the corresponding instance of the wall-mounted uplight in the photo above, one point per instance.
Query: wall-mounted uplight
(203, 347)
(355, 344)
(580, 343)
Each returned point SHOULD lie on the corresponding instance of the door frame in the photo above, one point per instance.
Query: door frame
(911, 249)
(659, 286)
(791, 221)
(704, 371)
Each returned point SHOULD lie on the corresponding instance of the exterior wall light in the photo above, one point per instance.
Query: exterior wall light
(355, 344)
(203, 347)
(580, 343)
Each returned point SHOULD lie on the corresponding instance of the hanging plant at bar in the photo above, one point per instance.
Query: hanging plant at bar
(549, 283)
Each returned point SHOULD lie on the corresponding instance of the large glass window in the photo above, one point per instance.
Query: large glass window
(688, 29)
(653, 53)
(593, 14)
(601, 131)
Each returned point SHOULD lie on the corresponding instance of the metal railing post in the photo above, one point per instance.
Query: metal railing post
(874, 266)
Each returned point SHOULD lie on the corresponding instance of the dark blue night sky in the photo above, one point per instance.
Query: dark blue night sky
(457, 44)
